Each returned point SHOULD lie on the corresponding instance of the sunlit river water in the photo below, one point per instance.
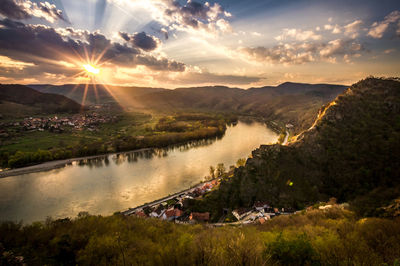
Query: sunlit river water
(116, 182)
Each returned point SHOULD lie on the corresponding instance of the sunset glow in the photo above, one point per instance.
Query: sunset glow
(91, 69)
(171, 44)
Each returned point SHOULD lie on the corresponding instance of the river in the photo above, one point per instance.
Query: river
(119, 181)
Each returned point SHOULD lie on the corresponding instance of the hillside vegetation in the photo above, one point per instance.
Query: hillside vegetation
(350, 153)
(330, 237)
(295, 103)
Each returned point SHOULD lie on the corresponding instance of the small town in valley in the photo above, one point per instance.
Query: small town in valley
(55, 124)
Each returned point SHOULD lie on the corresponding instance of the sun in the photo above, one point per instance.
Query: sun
(91, 69)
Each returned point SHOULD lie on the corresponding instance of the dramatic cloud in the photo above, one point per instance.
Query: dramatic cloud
(337, 47)
(298, 35)
(141, 40)
(281, 54)
(24, 9)
(300, 53)
(398, 29)
(195, 16)
(352, 29)
(190, 16)
(335, 29)
(45, 47)
(379, 28)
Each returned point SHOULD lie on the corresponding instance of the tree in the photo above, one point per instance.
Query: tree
(241, 162)
(220, 169)
(212, 171)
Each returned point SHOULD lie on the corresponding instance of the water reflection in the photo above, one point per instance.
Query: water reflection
(133, 156)
(109, 183)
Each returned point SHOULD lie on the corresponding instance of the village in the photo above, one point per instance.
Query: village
(88, 121)
(173, 208)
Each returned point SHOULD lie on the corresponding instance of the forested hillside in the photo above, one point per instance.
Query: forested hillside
(351, 153)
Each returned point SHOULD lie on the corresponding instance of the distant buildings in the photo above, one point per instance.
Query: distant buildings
(88, 121)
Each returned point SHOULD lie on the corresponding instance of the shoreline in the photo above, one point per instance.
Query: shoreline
(51, 165)
(131, 210)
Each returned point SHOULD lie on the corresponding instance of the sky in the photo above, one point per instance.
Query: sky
(169, 43)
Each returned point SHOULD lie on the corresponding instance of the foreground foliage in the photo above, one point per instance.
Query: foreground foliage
(330, 237)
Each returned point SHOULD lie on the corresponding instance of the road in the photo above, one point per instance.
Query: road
(285, 141)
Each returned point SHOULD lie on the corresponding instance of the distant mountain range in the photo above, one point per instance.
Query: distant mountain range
(18, 100)
(95, 94)
(296, 103)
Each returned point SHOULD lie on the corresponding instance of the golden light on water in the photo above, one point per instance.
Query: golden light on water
(91, 69)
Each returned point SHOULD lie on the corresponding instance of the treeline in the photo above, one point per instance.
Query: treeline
(191, 122)
(351, 154)
(130, 143)
(330, 237)
(206, 127)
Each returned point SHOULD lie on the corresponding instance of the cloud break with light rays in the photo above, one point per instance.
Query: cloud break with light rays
(168, 43)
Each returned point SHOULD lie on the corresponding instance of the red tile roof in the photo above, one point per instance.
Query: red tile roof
(141, 214)
(173, 213)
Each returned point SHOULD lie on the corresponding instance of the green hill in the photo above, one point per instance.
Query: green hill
(350, 153)
(19, 100)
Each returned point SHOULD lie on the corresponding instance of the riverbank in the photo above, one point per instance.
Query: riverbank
(131, 211)
(51, 165)
(28, 148)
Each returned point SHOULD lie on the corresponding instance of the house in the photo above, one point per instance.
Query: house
(140, 214)
(240, 213)
(172, 214)
(328, 206)
(261, 206)
(157, 212)
(199, 216)
(289, 125)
